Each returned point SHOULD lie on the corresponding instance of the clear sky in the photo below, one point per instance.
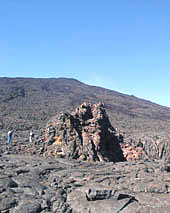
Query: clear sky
(123, 45)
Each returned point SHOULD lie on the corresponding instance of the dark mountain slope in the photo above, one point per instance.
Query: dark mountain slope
(29, 102)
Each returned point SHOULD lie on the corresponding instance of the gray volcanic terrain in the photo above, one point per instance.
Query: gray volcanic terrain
(31, 184)
(28, 103)
(70, 167)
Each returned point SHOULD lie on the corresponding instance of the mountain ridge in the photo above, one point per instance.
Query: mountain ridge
(28, 103)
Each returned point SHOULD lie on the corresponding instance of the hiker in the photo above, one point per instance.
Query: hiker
(10, 132)
(31, 135)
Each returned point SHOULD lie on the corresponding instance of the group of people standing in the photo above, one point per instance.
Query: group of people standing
(10, 133)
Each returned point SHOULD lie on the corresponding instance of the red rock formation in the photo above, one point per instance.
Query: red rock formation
(133, 153)
(85, 134)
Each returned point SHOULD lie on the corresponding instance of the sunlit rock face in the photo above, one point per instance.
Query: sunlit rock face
(85, 134)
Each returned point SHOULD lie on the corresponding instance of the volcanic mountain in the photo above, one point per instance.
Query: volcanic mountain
(28, 103)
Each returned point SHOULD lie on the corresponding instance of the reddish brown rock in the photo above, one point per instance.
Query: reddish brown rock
(85, 134)
(132, 153)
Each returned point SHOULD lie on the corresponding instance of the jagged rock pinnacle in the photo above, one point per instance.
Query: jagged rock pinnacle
(85, 134)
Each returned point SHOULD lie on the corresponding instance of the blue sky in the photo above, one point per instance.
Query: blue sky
(123, 45)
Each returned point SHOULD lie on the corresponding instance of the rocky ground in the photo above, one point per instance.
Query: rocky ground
(33, 184)
(34, 178)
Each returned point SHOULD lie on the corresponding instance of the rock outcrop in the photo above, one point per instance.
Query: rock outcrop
(148, 147)
(133, 153)
(85, 134)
